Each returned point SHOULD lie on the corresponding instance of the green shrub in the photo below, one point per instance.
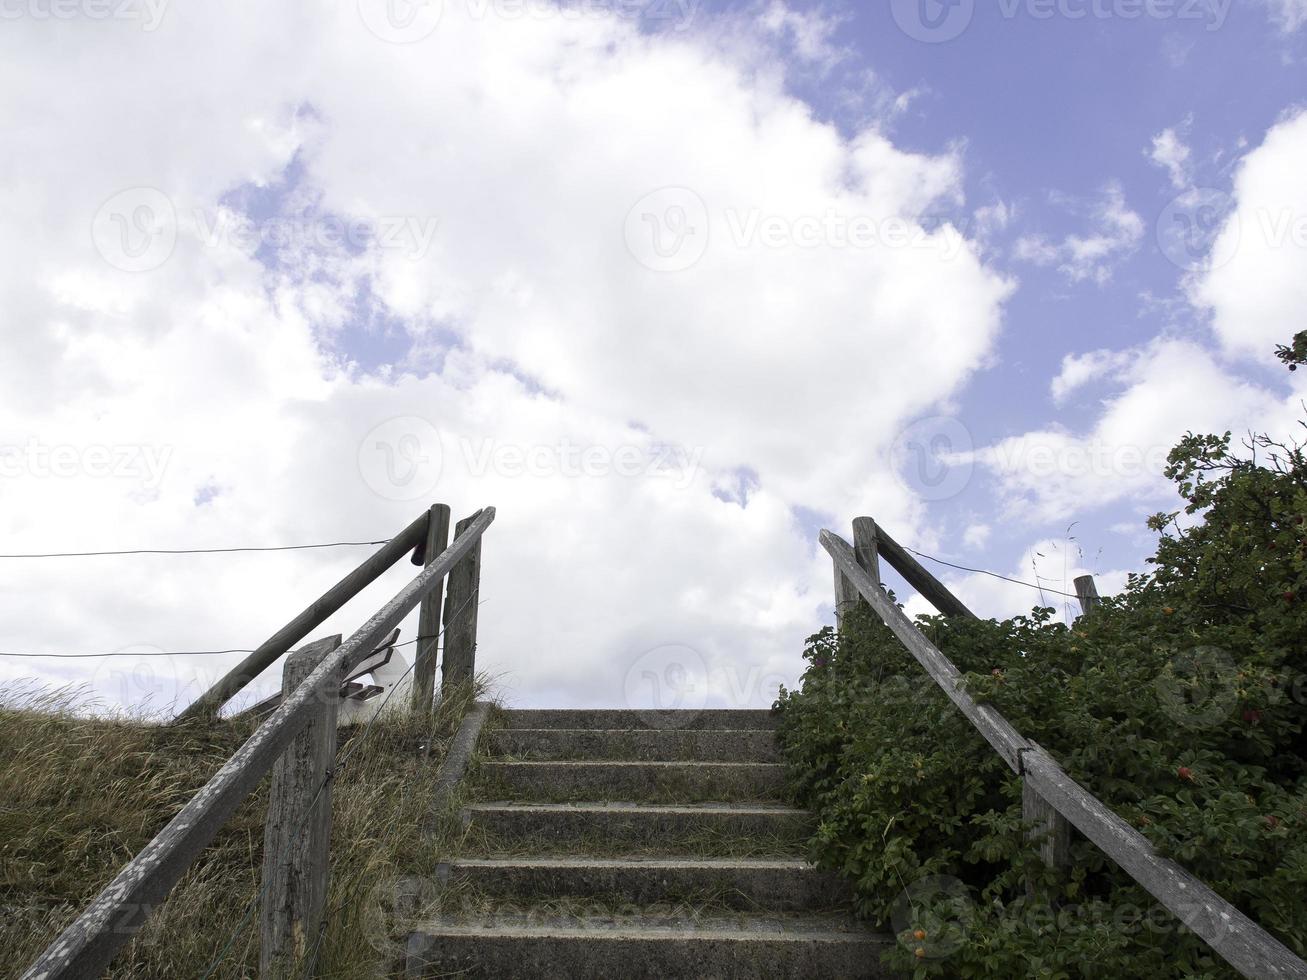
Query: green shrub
(1180, 703)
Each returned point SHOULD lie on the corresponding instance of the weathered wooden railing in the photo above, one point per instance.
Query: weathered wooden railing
(299, 740)
(1052, 801)
(425, 538)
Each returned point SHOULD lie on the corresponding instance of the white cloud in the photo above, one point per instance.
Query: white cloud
(1258, 294)
(528, 141)
(1079, 370)
(991, 220)
(1056, 474)
(1171, 386)
(811, 32)
(1116, 234)
(977, 536)
(1289, 15)
(1170, 152)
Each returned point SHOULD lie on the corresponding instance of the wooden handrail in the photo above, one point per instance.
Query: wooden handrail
(86, 947)
(1237, 939)
(412, 537)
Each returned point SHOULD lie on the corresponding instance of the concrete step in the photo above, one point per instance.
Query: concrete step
(603, 827)
(634, 781)
(712, 719)
(749, 884)
(724, 745)
(644, 948)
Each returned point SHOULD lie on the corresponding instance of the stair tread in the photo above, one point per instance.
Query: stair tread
(640, 719)
(743, 926)
(622, 807)
(641, 729)
(634, 764)
(636, 744)
(635, 861)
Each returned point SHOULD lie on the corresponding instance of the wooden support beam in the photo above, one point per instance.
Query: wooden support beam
(1005, 739)
(1048, 827)
(916, 576)
(306, 622)
(297, 832)
(1088, 593)
(461, 600)
(1237, 939)
(428, 644)
(846, 596)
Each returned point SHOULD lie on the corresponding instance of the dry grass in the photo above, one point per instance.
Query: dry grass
(79, 796)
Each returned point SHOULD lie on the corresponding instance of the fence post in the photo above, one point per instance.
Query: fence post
(867, 551)
(1087, 592)
(297, 835)
(866, 547)
(461, 599)
(1050, 828)
(424, 665)
(846, 597)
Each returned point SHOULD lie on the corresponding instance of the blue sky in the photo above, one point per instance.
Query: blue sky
(672, 290)
(1050, 110)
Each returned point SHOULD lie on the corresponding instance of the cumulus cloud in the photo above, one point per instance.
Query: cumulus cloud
(1055, 473)
(1256, 284)
(502, 207)
(1116, 234)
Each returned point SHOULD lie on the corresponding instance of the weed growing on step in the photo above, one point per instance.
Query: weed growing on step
(1180, 703)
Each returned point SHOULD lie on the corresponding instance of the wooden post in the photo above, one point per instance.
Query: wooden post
(1088, 593)
(297, 835)
(846, 597)
(866, 546)
(868, 554)
(1049, 827)
(424, 666)
(461, 598)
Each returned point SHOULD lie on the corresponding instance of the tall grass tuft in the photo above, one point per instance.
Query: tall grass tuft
(80, 795)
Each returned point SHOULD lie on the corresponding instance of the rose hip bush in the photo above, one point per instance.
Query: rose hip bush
(1180, 703)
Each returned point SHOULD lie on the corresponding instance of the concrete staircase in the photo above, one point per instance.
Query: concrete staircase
(612, 847)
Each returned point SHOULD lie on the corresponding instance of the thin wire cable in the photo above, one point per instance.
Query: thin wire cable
(126, 653)
(164, 653)
(206, 653)
(340, 764)
(201, 551)
(982, 571)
